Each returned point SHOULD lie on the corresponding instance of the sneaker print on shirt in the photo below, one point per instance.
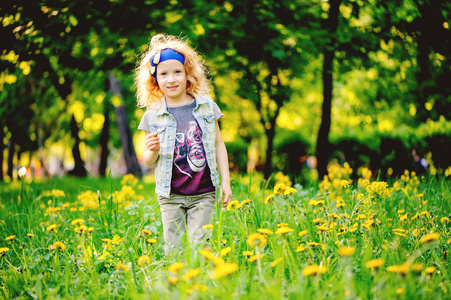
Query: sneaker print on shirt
(189, 151)
(180, 151)
(196, 153)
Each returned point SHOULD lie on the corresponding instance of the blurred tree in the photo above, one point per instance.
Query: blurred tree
(330, 25)
(59, 44)
(263, 46)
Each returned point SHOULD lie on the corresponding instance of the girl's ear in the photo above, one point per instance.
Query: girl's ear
(188, 85)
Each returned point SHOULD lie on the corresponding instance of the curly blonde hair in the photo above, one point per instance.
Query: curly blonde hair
(148, 92)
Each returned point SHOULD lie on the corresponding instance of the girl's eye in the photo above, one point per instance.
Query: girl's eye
(163, 74)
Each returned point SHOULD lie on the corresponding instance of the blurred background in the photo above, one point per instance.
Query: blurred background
(302, 83)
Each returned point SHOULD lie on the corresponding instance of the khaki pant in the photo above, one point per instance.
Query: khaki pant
(185, 213)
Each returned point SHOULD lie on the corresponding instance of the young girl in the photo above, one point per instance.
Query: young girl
(182, 137)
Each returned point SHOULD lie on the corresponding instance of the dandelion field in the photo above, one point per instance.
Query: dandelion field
(340, 238)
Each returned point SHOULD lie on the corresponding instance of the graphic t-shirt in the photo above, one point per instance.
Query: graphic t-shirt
(190, 171)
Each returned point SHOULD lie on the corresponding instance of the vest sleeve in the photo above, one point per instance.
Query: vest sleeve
(144, 124)
(217, 111)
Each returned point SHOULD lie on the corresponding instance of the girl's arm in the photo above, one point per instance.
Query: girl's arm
(222, 159)
(151, 148)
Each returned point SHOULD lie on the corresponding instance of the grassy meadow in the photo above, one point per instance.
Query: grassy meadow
(339, 238)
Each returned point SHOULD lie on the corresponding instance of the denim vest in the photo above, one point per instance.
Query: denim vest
(162, 121)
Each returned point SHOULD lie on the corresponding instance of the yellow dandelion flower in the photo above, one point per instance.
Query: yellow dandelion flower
(282, 225)
(225, 251)
(430, 270)
(77, 222)
(264, 231)
(415, 216)
(175, 267)
(81, 229)
(399, 291)
(346, 251)
(208, 226)
(417, 267)
(318, 221)
(361, 216)
(429, 237)
(334, 216)
(256, 239)
(378, 189)
(3, 250)
(315, 202)
(314, 270)
(275, 262)
(207, 254)
(374, 263)
(300, 248)
(403, 217)
(323, 228)
(247, 201)
(51, 228)
(234, 204)
(122, 267)
(269, 198)
(415, 232)
(400, 211)
(224, 269)
(172, 279)
(289, 191)
(302, 233)
(248, 253)
(191, 274)
(344, 183)
(444, 220)
(400, 234)
(143, 260)
(146, 232)
(255, 257)
(284, 230)
(10, 238)
(279, 188)
(340, 202)
(59, 245)
(403, 269)
(151, 241)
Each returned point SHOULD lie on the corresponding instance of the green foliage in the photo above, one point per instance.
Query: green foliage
(391, 71)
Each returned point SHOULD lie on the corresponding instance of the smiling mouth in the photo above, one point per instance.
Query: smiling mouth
(172, 87)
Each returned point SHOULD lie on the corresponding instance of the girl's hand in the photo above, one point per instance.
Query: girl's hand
(152, 141)
(225, 194)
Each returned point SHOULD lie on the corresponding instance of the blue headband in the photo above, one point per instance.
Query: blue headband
(162, 56)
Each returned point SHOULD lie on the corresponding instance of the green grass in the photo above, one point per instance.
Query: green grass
(111, 258)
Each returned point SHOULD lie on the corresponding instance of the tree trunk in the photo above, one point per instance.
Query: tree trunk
(128, 148)
(104, 138)
(79, 168)
(2, 147)
(11, 152)
(322, 143)
(270, 133)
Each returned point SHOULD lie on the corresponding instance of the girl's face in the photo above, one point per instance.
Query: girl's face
(171, 77)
